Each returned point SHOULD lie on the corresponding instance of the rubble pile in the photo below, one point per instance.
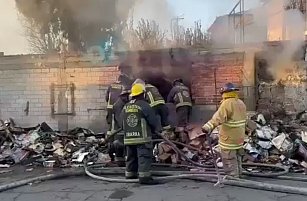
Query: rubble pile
(43, 146)
(277, 142)
(272, 142)
(191, 141)
(282, 142)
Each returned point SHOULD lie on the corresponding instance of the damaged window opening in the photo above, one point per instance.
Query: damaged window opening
(62, 99)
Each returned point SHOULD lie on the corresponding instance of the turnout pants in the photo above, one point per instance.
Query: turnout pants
(117, 147)
(183, 115)
(232, 161)
(139, 158)
(162, 111)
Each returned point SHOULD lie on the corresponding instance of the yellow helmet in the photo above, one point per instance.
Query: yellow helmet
(137, 89)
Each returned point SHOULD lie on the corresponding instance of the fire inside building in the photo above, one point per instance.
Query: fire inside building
(262, 54)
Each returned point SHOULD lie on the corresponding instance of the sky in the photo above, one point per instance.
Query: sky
(12, 40)
(205, 10)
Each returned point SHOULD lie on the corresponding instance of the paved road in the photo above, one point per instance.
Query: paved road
(87, 189)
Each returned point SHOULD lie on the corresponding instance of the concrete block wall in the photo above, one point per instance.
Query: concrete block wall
(287, 95)
(90, 90)
(22, 82)
(26, 85)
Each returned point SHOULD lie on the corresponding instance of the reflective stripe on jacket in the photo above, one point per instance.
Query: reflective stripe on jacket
(180, 96)
(231, 115)
(139, 122)
(153, 95)
(113, 93)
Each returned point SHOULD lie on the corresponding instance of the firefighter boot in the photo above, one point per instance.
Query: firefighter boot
(148, 181)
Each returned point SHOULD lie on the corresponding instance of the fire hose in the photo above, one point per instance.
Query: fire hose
(169, 176)
(283, 169)
(195, 164)
(92, 170)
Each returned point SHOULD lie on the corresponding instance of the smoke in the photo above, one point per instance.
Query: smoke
(290, 27)
(83, 23)
(157, 10)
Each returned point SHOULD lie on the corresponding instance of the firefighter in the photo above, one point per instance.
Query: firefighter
(112, 95)
(156, 101)
(139, 124)
(139, 81)
(116, 144)
(232, 116)
(180, 96)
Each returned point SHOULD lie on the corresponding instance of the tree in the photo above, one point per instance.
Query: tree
(40, 42)
(192, 37)
(149, 34)
(296, 4)
(82, 24)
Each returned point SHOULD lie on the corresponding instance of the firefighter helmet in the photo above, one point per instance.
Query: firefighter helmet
(228, 88)
(179, 80)
(139, 81)
(137, 89)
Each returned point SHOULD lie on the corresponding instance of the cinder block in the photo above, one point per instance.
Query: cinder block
(98, 69)
(70, 70)
(54, 70)
(45, 70)
(13, 109)
(78, 70)
(33, 100)
(36, 70)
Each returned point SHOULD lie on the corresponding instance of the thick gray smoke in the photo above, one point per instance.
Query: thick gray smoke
(83, 23)
(290, 25)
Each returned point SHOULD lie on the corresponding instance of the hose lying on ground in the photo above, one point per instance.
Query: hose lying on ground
(283, 171)
(58, 175)
(211, 178)
(258, 185)
(167, 176)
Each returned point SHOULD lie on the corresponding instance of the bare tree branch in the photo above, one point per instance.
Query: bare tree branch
(147, 35)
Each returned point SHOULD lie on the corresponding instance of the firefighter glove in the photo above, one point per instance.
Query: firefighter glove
(205, 130)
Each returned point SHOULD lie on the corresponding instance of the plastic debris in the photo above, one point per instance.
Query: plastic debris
(261, 119)
(265, 132)
(304, 136)
(282, 143)
(41, 145)
(265, 144)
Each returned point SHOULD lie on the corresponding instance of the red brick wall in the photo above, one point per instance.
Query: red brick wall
(228, 68)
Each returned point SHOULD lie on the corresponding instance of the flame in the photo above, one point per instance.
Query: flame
(294, 79)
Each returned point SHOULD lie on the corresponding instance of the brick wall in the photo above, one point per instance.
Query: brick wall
(215, 69)
(30, 81)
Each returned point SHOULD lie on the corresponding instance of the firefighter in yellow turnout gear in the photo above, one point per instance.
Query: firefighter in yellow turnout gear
(232, 116)
(139, 124)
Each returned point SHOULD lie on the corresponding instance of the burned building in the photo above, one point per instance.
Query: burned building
(70, 91)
